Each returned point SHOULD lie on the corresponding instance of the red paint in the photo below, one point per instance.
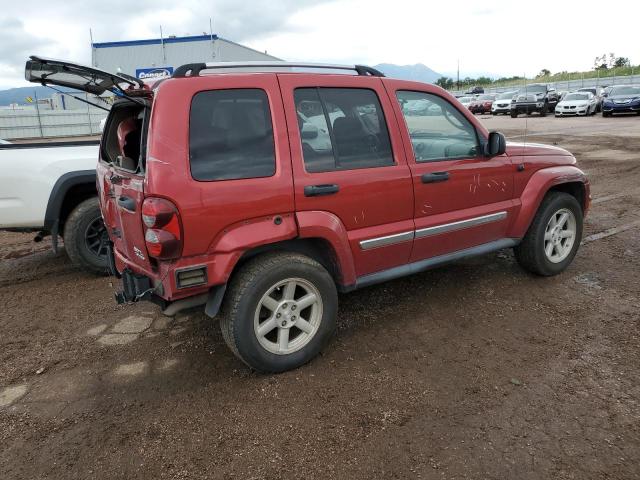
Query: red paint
(222, 220)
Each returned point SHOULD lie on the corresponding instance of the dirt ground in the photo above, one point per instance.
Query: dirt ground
(476, 370)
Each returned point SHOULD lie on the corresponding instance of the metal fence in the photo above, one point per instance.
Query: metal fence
(32, 123)
(567, 85)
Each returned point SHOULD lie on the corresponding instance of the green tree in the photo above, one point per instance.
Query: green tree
(445, 82)
(621, 62)
(544, 73)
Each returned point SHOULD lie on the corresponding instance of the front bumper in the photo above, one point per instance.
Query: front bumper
(562, 112)
(632, 107)
(523, 107)
(501, 108)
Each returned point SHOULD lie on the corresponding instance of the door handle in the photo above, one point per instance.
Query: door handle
(435, 177)
(318, 190)
(127, 203)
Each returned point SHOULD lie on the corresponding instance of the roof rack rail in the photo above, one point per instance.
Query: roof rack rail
(194, 69)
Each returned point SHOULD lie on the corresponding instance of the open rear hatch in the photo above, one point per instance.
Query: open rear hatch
(122, 165)
(47, 71)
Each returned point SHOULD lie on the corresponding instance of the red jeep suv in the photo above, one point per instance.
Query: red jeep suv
(260, 190)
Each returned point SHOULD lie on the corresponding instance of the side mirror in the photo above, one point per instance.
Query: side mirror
(309, 131)
(496, 145)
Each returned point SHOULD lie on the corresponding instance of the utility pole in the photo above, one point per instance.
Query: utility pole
(35, 96)
(164, 55)
(213, 49)
(458, 80)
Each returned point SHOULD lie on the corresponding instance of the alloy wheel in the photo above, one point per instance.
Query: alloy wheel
(560, 235)
(288, 316)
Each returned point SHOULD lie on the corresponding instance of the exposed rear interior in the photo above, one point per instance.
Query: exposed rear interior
(125, 136)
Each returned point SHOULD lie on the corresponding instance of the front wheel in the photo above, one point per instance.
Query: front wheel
(554, 236)
(545, 109)
(85, 237)
(279, 312)
(514, 115)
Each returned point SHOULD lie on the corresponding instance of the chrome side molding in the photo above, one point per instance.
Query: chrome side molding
(431, 231)
(388, 240)
(450, 227)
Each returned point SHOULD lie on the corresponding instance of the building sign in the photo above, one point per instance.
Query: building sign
(155, 73)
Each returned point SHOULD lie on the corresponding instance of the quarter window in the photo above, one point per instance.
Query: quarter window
(438, 130)
(342, 129)
(231, 135)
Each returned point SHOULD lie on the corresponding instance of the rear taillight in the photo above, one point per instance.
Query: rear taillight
(163, 235)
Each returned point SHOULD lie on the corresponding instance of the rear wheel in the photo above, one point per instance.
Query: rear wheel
(86, 238)
(279, 312)
(554, 236)
(606, 114)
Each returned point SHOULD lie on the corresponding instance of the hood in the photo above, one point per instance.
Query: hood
(529, 96)
(573, 103)
(537, 149)
(622, 98)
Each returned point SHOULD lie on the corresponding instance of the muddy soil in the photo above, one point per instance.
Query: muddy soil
(475, 370)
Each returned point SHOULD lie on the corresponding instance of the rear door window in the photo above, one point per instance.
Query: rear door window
(231, 135)
(342, 129)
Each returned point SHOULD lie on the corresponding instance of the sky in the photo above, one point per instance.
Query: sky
(497, 37)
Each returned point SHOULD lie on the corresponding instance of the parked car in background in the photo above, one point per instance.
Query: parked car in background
(577, 103)
(502, 103)
(50, 189)
(595, 93)
(287, 227)
(466, 101)
(474, 90)
(482, 104)
(537, 97)
(4, 142)
(622, 99)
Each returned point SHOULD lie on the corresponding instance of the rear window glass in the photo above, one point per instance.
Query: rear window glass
(231, 135)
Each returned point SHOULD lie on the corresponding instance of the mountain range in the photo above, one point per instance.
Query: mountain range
(19, 95)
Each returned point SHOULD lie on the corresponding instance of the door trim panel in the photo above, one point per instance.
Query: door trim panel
(450, 227)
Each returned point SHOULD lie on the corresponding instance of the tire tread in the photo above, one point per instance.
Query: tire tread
(242, 280)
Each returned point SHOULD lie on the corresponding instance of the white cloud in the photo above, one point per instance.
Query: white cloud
(500, 36)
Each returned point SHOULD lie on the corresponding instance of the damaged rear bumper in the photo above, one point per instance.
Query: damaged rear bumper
(137, 286)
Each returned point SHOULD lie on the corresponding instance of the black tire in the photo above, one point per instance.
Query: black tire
(606, 114)
(545, 109)
(530, 252)
(85, 237)
(514, 115)
(246, 289)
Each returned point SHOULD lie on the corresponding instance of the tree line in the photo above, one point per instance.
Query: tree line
(601, 63)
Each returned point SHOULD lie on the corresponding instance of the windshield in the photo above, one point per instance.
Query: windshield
(487, 97)
(465, 99)
(592, 90)
(506, 95)
(577, 96)
(625, 91)
(533, 89)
